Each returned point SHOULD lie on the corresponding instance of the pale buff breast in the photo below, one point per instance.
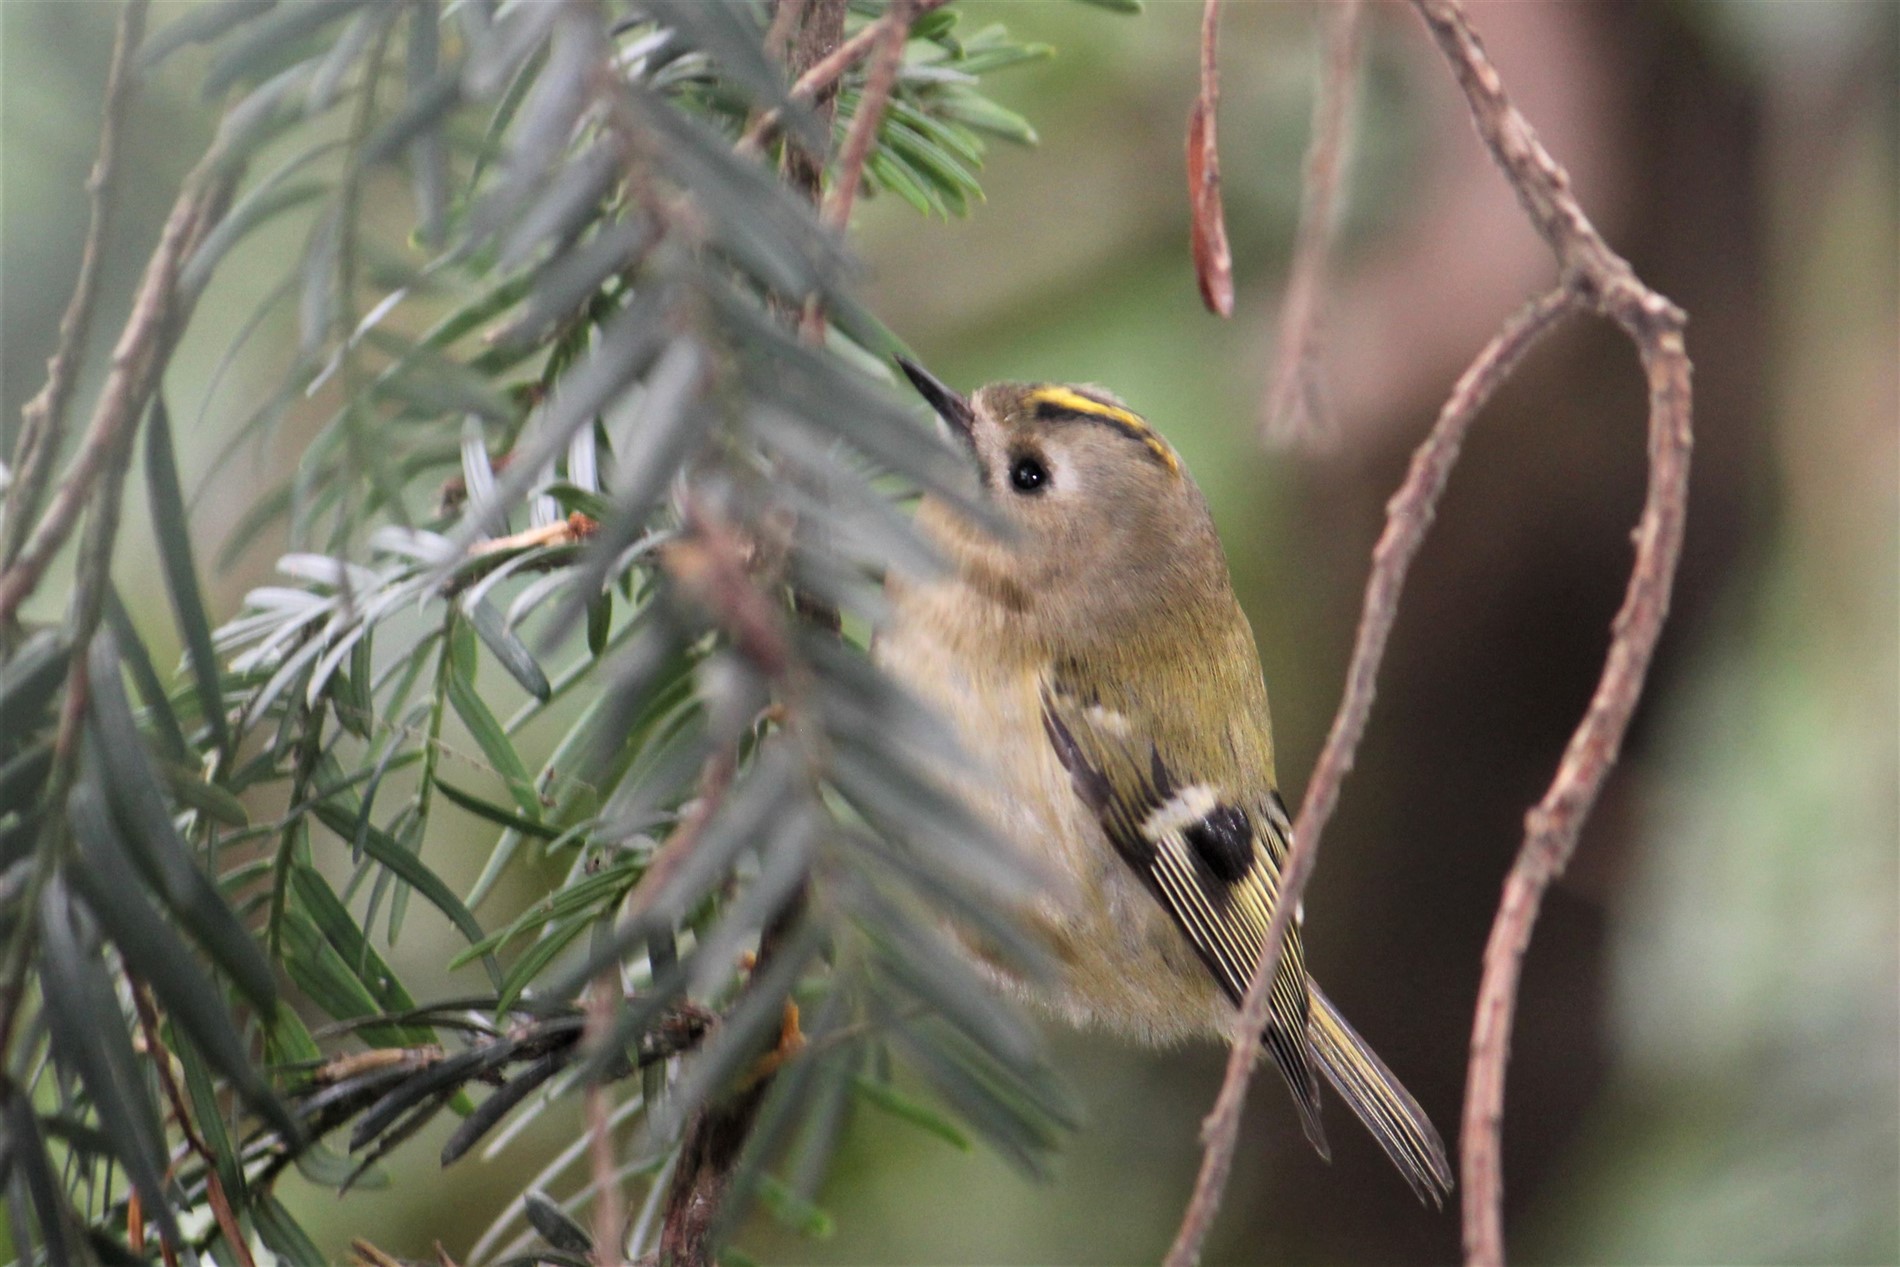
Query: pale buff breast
(1124, 965)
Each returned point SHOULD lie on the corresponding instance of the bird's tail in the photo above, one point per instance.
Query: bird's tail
(1387, 1109)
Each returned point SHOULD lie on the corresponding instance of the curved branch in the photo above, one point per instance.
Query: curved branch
(1593, 276)
(1552, 828)
(1408, 516)
(1213, 259)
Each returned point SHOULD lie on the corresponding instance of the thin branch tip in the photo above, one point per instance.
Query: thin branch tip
(1295, 405)
(1593, 277)
(1213, 258)
(43, 420)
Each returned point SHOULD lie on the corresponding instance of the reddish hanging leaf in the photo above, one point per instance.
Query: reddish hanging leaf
(1213, 262)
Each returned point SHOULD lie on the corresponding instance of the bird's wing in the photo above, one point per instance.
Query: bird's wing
(1210, 854)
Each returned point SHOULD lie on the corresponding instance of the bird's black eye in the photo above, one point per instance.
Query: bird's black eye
(1028, 475)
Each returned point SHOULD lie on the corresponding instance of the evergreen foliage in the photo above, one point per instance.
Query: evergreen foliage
(590, 495)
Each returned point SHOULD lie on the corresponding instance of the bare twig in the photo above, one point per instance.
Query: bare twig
(144, 345)
(718, 1131)
(787, 17)
(892, 30)
(158, 309)
(1295, 408)
(1551, 829)
(609, 1209)
(227, 1220)
(1592, 276)
(879, 80)
(609, 1217)
(1408, 516)
(214, 1187)
(1542, 185)
(1213, 261)
(818, 37)
(573, 530)
(842, 58)
(43, 421)
(365, 1254)
(826, 71)
(703, 1176)
(162, 1061)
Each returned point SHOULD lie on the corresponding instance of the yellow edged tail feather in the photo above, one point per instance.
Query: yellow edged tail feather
(1374, 1094)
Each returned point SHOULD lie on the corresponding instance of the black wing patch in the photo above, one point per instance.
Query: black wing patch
(1224, 841)
(1213, 866)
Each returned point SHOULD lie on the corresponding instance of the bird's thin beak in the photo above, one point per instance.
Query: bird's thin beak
(950, 407)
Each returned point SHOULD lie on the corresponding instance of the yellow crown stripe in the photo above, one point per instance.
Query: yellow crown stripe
(1072, 401)
(1069, 399)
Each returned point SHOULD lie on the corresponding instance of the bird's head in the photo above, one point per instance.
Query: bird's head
(1109, 528)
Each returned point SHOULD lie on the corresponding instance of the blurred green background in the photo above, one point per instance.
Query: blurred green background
(1707, 1061)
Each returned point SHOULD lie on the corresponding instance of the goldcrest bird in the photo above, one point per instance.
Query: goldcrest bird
(1096, 661)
